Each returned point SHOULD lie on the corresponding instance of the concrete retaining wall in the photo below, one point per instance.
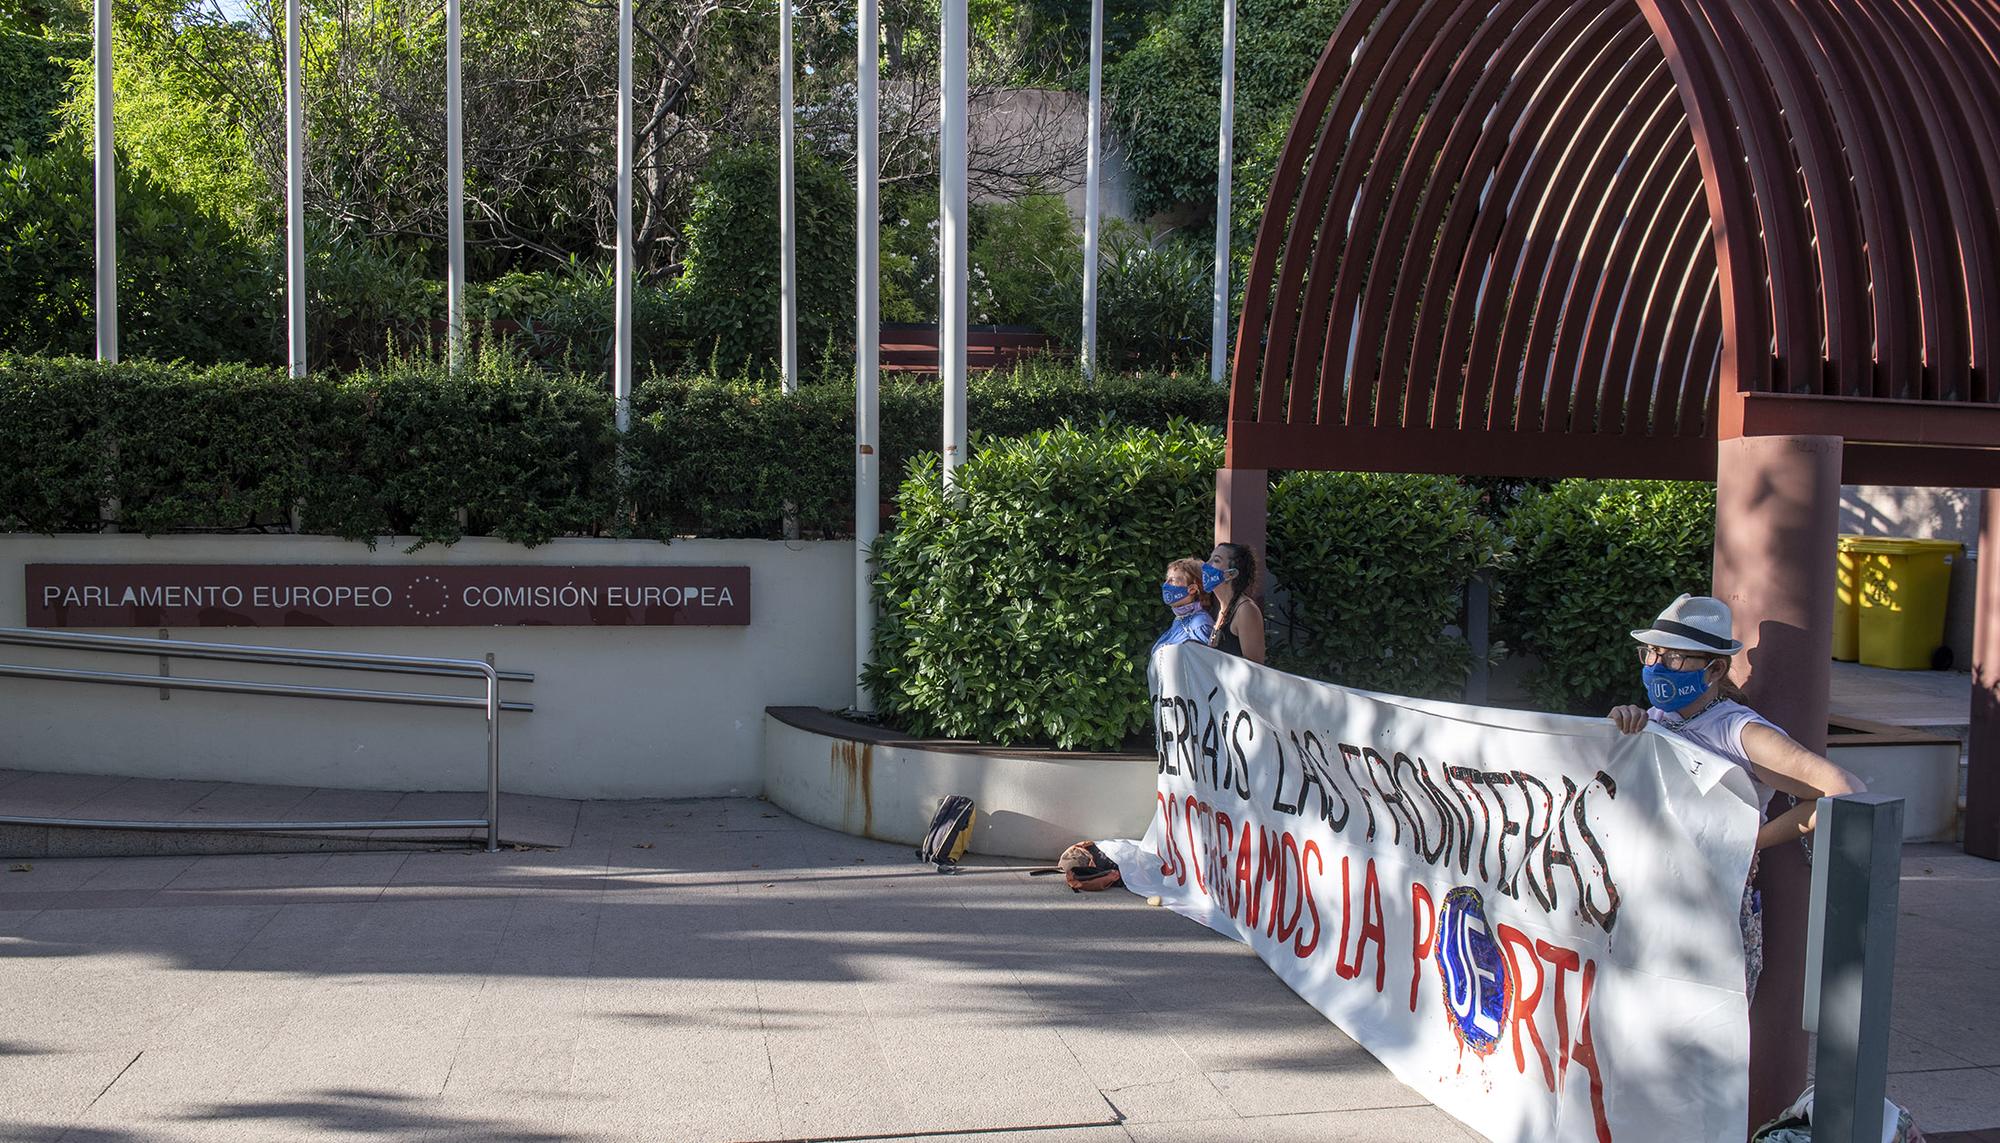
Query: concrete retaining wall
(622, 712)
(878, 784)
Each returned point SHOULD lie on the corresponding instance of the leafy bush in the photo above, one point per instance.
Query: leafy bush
(406, 449)
(1154, 300)
(1020, 606)
(227, 447)
(1594, 559)
(56, 459)
(1374, 567)
(33, 74)
(1018, 249)
(1165, 93)
(188, 285)
(523, 453)
(728, 293)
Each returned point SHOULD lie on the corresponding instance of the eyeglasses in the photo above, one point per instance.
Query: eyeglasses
(1672, 660)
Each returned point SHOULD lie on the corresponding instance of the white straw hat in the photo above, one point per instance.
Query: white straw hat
(1697, 623)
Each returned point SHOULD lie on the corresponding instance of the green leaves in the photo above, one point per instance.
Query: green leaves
(1374, 569)
(1021, 606)
(503, 448)
(1594, 559)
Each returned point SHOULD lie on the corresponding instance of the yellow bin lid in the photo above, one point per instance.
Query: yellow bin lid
(1897, 545)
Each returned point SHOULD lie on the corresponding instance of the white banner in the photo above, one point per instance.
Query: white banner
(1533, 920)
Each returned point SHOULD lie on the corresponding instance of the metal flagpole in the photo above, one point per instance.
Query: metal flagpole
(788, 325)
(951, 232)
(1090, 179)
(867, 336)
(454, 136)
(106, 172)
(1218, 333)
(621, 353)
(295, 193)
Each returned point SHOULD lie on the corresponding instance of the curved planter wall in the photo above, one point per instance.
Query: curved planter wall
(875, 783)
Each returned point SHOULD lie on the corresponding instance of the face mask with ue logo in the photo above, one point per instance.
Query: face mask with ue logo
(1211, 577)
(1674, 690)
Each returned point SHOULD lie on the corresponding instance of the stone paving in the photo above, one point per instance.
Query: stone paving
(716, 970)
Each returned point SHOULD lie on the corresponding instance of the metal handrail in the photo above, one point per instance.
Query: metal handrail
(292, 656)
(287, 656)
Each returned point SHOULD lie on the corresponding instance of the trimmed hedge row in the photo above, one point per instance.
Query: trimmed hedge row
(1020, 609)
(501, 448)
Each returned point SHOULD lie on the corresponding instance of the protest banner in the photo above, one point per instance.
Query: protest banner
(1532, 920)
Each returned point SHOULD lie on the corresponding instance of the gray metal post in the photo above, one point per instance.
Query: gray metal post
(1093, 164)
(454, 162)
(621, 352)
(492, 756)
(106, 172)
(295, 191)
(952, 143)
(867, 334)
(1218, 334)
(1859, 842)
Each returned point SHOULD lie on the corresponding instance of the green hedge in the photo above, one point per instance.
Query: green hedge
(1374, 568)
(1594, 559)
(518, 452)
(1020, 606)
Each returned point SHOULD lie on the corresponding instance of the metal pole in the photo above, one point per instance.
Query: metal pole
(454, 135)
(788, 324)
(492, 759)
(867, 335)
(1092, 170)
(621, 352)
(106, 171)
(1860, 838)
(1218, 332)
(951, 232)
(295, 193)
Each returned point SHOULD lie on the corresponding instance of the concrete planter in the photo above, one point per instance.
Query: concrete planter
(1922, 769)
(877, 783)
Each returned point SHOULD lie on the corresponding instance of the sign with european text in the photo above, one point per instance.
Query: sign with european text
(1533, 920)
(367, 595)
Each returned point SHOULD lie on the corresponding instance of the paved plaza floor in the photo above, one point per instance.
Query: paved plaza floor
(717, 970)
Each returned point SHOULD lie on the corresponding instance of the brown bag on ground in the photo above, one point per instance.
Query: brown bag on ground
(1084, 867)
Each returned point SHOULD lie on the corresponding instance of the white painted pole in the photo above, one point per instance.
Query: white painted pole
(867, 337)
(454, 145)
(788, 327)
(1218, 333)
(1092, 171)
(621, 352)
(295, 192)
(951, 232)
(106, 172)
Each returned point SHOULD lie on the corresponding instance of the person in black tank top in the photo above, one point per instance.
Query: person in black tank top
(1231, 574)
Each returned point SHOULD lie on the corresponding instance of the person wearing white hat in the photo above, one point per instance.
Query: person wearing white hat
(1684, 658)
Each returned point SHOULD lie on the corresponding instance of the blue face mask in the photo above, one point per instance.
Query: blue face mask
(1674, 690)
(1211, 577)
(1172, 593)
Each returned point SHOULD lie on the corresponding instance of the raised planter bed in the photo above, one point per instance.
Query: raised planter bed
(1922, 769)
(877, 783)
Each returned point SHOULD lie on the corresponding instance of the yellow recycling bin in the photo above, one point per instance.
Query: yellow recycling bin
(1847, 599)
(1904, 586)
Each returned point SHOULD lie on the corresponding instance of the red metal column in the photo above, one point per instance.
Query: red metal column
(1777, 507)
(1242, 501)
(1982, 779)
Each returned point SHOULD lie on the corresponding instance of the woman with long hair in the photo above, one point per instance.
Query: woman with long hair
(1231, 573)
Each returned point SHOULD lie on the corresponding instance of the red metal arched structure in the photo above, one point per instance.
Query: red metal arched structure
(1752, 241)
(1545, 237)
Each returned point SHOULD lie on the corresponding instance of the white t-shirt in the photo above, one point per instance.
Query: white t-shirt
(1719, 728)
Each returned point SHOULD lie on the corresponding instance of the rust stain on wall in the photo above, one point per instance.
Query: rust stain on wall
(853, 764)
